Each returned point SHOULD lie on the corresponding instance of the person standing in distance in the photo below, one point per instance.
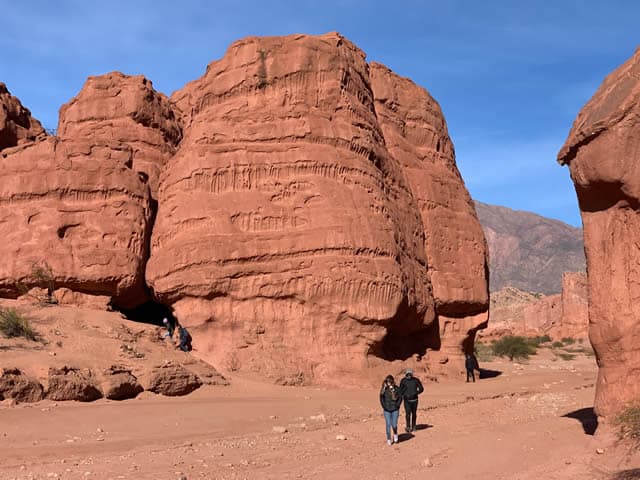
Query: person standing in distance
(410, 388)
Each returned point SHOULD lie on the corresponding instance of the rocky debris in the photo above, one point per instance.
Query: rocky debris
(207, 374)
(341, 437)
(66, 296)
(171, 379)
(17, 126)
(529, 252)
(70, 383)
(19, 387)
(279, 429)
(120, 384)
(415, 133)
(603, 155)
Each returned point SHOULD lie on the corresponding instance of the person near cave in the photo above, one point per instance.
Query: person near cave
(390, 399)
(184, 338)
(471, 364)
(170, 328)
(410, 388)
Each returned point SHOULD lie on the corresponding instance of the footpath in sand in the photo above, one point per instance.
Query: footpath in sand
(532, 421)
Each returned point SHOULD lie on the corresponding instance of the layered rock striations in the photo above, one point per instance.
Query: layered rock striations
(78, 203)
(603, 154)
(415, 134)
(287, 235)
(309, 211)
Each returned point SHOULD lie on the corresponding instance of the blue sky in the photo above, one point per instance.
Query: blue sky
(510, 76)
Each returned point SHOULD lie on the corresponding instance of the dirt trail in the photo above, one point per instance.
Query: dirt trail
(522, 424)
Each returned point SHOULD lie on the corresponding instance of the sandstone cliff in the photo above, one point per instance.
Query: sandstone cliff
(528, 251)
(17, 126)
(298, 209)
(603, 154)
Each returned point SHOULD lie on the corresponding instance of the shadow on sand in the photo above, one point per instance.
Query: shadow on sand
(633, 474)
(484, 373)
(588, 419)
(403, 437)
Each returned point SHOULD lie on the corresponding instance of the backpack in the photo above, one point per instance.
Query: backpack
(412, 388)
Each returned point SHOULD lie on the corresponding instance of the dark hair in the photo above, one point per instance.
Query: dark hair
(389, 378)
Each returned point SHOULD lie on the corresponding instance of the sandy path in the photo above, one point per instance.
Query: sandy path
(512, 426)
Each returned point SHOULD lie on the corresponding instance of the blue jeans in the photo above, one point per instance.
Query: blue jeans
(391, 421)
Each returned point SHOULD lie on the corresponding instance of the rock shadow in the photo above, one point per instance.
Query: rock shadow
(588, 418)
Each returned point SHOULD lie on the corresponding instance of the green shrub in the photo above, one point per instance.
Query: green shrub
(537, 341)
(513, 347)
(483, 352)
(557, 344)
(628, 423)
(568, 340)
(12, 324)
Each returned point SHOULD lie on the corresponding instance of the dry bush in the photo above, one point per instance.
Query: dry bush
(12, 325)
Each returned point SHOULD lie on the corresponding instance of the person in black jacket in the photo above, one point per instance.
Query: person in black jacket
(390, 399)
(410, 388)
(471, 364)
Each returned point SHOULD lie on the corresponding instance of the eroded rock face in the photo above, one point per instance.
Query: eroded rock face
(80, 208)
(17, 126)
(83, 201)
(126, 110)
(120, 384)
(69, 383)
(17, 386)
(603, 154)
(287, 238)
(575, 306)
(171, 380)
(415, 133)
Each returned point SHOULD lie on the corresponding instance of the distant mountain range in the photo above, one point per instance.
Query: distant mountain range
(528, 251)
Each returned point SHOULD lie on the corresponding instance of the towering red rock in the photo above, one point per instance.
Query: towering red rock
(17, 126)
(286, 234)
(80, 202)
(415, 133)
(127, 110)
(603, 154)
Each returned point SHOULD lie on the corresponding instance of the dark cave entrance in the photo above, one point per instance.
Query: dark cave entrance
(150, 312)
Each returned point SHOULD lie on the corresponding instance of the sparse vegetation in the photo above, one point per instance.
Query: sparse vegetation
(557, 344)
(43, 275)
(12, 325)
(568, 340)
(514, 347)
(539, 340)
(483, 352)
(628, 423)
(566, 356)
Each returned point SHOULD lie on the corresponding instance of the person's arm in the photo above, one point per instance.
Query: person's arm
(420, 387)
(382, 398)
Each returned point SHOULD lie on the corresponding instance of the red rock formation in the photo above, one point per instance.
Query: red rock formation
(286, 235)
(80, 202)
(17, 126)
(575, 306)
(603, 154)
(126, 110)
(415, 133)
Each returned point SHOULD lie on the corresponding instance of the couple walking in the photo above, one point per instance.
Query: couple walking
(392, 395)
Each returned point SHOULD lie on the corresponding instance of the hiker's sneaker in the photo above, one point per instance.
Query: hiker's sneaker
(395, 439)
(413, 429)
(389, 442)
(407, 429)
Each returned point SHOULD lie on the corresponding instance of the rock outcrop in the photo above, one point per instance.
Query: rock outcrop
(17, 126)
(70, 383)
(171, 380)
(81, 202)
(120, 384)
(528, 251)
(415, 134)
(603, 154)
(17, 386)
(287, 237)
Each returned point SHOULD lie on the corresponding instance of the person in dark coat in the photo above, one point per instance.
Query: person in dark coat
(410, 388)
(185, 339)
(471, 364)
(390, 399)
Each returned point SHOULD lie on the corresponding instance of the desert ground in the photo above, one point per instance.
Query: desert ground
(522, 421)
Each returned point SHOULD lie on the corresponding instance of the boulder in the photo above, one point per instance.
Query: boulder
(119, 383)
(171, 379)
(17, 126)
(17, 386)
(603, 155)
(69, 383)
(287, 237)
